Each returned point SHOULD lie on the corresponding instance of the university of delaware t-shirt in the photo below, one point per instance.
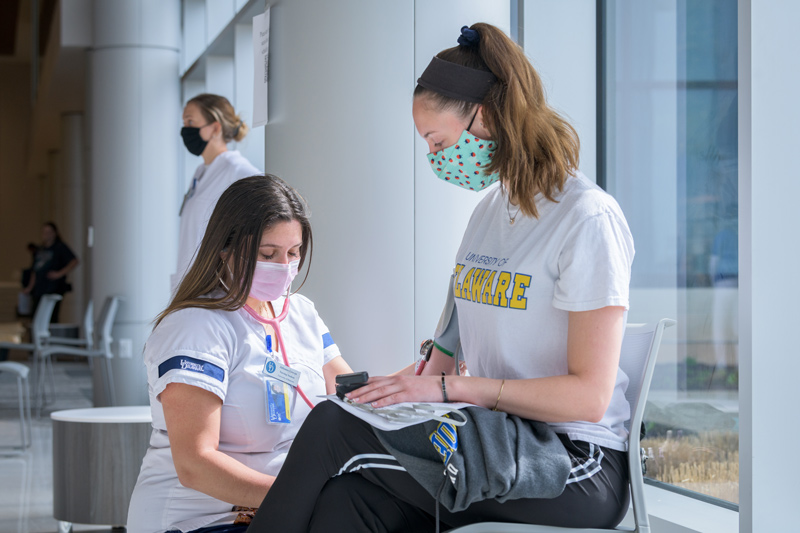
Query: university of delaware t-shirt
(224, 352)
(516, 284)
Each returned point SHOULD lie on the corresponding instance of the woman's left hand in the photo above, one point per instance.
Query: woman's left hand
(381, 391)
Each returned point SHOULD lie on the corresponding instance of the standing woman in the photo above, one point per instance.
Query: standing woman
(234, 365)
(52, 262)
(209, 124)
(541, 291)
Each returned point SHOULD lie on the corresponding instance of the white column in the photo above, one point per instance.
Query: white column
(135, 120)
(72, 223)
(769, 72)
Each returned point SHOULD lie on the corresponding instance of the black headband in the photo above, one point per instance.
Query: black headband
(457, 81)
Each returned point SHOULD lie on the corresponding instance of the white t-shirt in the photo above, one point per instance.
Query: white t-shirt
(224, 352)
(516, 285)
(210, 182)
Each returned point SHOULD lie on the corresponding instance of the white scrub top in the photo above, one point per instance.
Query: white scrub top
(223, 352)
(209, 184)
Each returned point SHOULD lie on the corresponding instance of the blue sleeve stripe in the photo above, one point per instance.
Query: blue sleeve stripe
(327, 340)
(183, 362)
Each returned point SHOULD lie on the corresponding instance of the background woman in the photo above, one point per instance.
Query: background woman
(209, 124)
(541, 288)
(52, 262)
(221, 424)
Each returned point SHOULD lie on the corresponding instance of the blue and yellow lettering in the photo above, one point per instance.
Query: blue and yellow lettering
(465, 285)
(503, 282)
(486, 297)
(475, 286)
(518, 300)
(457, 285)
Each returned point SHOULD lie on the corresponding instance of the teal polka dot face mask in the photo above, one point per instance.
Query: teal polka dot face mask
(463, 163)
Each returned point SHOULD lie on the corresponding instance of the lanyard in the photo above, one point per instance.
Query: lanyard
(275, 323)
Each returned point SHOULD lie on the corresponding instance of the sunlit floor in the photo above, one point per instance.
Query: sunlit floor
(26, 489)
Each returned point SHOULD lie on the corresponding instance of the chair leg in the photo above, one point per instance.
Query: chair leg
(39, 385)
(22, 430)
(49, 363)
(110, 389)
(28, 411)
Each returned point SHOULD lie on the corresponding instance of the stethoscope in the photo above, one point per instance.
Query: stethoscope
(275, 324)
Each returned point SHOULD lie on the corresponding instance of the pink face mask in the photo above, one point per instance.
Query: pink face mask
(272, 280)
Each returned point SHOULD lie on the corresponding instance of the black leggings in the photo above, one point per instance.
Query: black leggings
(312, 492)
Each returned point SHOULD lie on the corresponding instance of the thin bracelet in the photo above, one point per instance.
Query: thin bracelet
(503, 384)
(444, 390)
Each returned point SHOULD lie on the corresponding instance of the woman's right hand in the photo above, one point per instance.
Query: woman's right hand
(381, 391)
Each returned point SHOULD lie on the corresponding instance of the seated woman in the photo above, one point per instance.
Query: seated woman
(541, 285)
(234, 366)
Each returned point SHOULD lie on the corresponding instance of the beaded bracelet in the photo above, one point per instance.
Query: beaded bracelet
(444, 390)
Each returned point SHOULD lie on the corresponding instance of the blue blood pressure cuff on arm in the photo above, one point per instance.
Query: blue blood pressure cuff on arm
(447, 335)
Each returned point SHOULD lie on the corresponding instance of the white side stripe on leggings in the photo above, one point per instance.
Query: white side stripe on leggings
(589, 467)
(383, 456)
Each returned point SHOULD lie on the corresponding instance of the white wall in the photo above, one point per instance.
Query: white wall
(340, 131)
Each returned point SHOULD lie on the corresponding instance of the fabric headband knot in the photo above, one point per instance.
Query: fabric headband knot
(469, 38)
(457, 81)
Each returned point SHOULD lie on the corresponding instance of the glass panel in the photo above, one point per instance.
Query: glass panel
(671, 161)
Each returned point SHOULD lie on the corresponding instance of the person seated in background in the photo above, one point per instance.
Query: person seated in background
(234, 366)
(53, 261)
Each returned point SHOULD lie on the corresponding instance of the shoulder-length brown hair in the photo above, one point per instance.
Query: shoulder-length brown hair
(244, 211)
(536, 148)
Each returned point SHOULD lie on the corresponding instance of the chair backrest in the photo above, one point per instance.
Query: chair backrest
(88, 324)
(102, 329)
(638, 360)
(40, 327)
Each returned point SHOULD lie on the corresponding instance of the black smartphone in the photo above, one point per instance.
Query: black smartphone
(350, 382)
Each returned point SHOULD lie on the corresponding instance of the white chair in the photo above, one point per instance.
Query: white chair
(87, 341)
(637, 359)
(100, 347)
(40, 335)
(23, 392)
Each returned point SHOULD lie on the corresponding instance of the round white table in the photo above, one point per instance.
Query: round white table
(97, 454)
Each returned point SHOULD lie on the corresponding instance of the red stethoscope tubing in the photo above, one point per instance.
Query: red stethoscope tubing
(275, 323)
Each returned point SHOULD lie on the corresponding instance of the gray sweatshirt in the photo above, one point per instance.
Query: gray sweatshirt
(495, 455)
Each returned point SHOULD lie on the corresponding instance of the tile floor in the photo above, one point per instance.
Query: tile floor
(26, 479)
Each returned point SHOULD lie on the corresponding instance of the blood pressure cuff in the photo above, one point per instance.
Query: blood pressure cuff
(446, 337)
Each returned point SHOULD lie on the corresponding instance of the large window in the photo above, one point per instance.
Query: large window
(669, 126)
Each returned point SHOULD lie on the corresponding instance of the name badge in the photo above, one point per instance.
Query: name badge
(278, 407)
(281, 372)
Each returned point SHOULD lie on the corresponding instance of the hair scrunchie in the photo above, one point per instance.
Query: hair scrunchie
(469, 38)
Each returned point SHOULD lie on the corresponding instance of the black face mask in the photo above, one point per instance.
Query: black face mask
(192, 140)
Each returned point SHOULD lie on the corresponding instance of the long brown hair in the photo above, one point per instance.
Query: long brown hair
(216, 108)
(244, 211)
(536, 148)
